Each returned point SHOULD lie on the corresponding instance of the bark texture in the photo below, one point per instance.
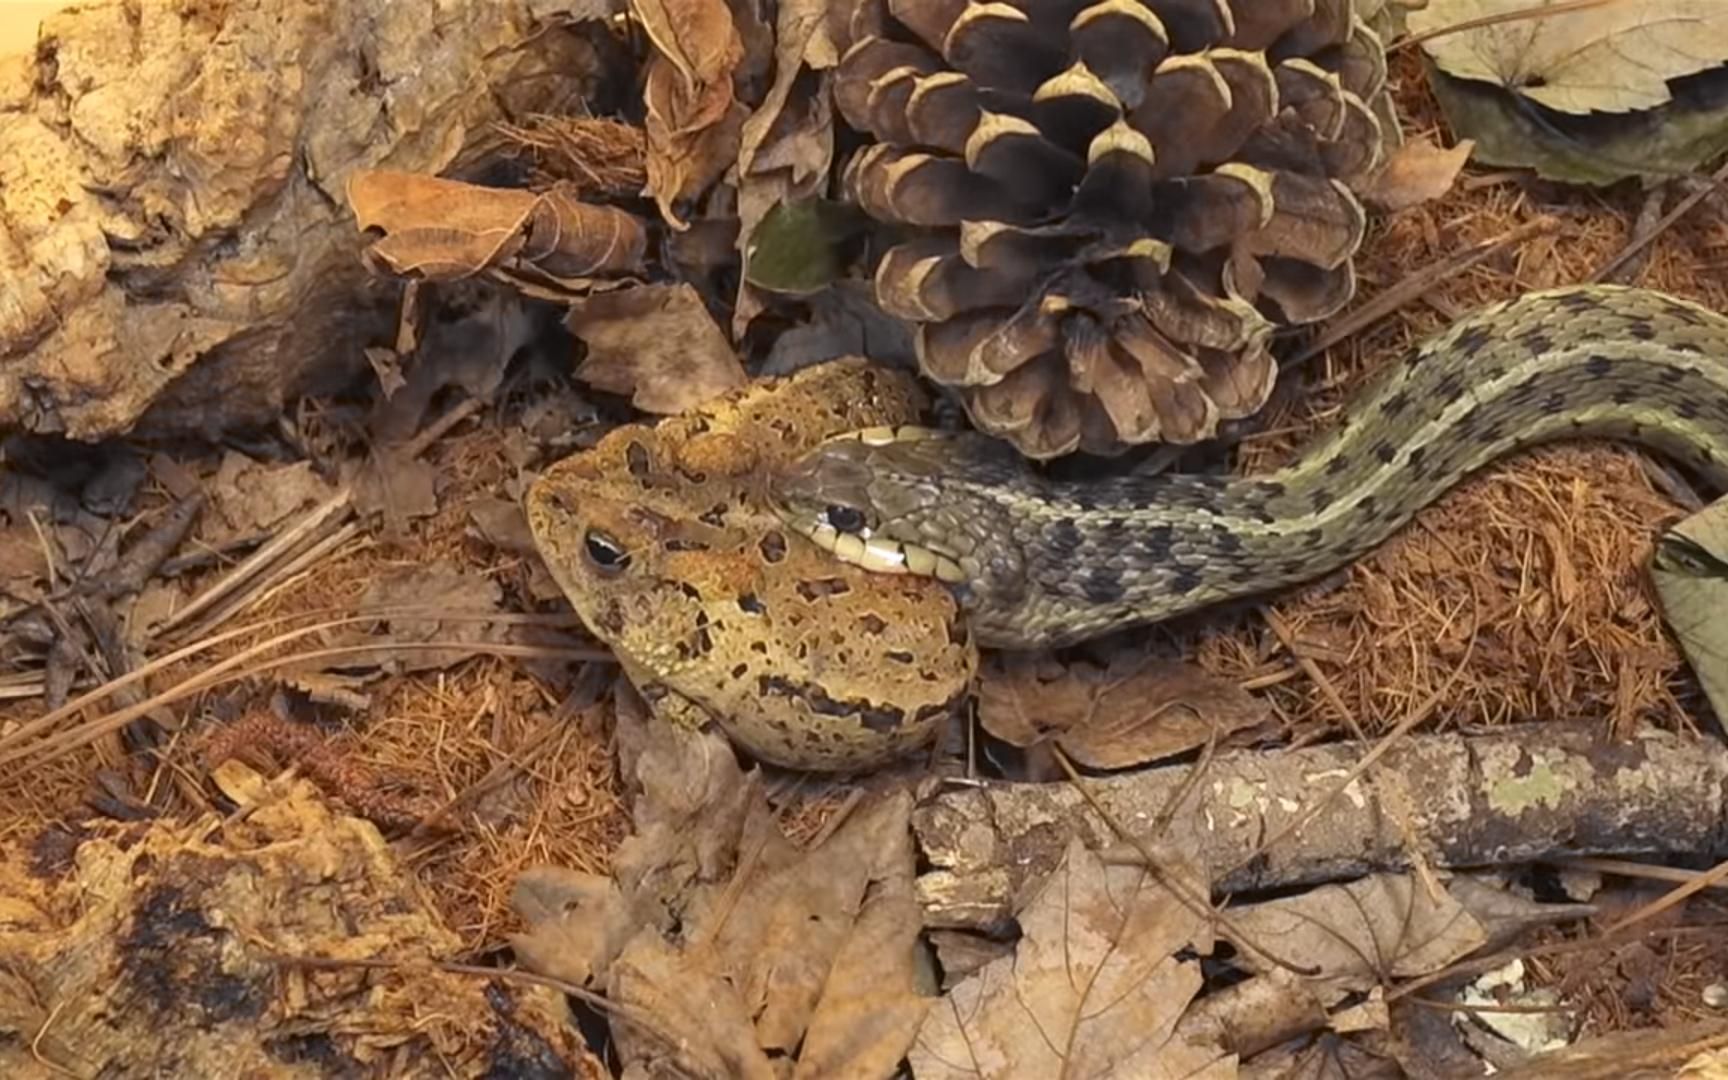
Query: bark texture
(175, 243)
(1541, 791)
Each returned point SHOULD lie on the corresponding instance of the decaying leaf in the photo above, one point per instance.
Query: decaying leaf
(739, 948)
(1361, 934)
(694, 120)
(397, 486)
(796, 248)
(1690, 570)
(781, 948)
(1534, 1021)
(1417, 172)
(1095, 988)
(657, 344)
(1614, 57)
(436, 587)
(250, 496)
(870, 1006)
(445, 230)
(843, 320)
(783, 162)
(387, 365)
(23, 563)
(578, 922)
(1599, 149)
(1137, 710)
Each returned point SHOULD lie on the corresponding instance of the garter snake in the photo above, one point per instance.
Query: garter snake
(1039, 562)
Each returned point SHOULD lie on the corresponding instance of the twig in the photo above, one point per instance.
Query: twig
(1281, 630)
(1681, 209)
(1196, 901)
(338, 505)
(1422, 281)
(1536, 11)
(1369, 760)
(225, 672)
(1714, 876)
(30, 729)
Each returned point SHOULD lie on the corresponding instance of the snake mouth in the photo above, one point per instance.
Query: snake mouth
(824, 496)
(879, 554)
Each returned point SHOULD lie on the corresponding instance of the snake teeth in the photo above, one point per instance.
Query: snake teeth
(885, 556)
(886, 434)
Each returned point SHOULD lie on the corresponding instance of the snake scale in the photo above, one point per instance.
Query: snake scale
(1037, 562)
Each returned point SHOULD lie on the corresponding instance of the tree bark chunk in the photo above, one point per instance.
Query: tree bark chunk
(1541, 791)
(175, 244)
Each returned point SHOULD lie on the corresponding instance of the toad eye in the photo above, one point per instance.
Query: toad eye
(846, 519)
(607, 554)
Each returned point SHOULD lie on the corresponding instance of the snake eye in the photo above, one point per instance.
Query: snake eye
(846, 519)
(607, 555)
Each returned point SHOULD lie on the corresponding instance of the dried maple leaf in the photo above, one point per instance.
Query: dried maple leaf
(1360, 934)
(657, 344)
(1094, 989)
(1609, 57)
(1137, 710)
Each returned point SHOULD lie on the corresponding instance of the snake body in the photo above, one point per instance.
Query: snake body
(1038, 562)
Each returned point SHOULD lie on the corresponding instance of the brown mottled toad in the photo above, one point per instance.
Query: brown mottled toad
(662, 538)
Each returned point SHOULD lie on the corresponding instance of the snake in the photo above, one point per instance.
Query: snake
(1041, 561)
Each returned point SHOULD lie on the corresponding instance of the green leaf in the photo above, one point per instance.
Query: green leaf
(1690, 569)
(800, 247)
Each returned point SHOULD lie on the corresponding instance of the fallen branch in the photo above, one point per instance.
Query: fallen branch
(1545, 791)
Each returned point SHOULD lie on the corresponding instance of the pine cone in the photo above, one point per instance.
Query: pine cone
(1109, 207)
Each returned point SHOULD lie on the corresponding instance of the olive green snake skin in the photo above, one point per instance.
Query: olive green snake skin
(1038, 562)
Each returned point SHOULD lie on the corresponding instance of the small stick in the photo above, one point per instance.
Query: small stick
(340, 503)
(1422, 281)
(1680, 210)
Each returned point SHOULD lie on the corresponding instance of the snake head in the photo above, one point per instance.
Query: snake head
(849, 496)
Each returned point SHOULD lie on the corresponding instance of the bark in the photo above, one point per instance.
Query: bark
(175, 241)
(1542, 791)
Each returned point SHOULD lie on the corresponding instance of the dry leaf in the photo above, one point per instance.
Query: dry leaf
(445, 230)
(780, 948)
(387, 365)
(699, 1023)
(787, 144)
(693, 122)
(656, 343)
(819, 958)
(1138, 710)
(1359, 935)
(436, 587)
(250, 497)
(1690, 572)
(502, 524)
(1094, 990)
(870, 1009)
(1417, 172)
(23, 563)
(577, 922)
(398, 486)
(1610, 57)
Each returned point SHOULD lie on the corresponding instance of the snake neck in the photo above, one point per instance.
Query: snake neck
(1567, 364)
